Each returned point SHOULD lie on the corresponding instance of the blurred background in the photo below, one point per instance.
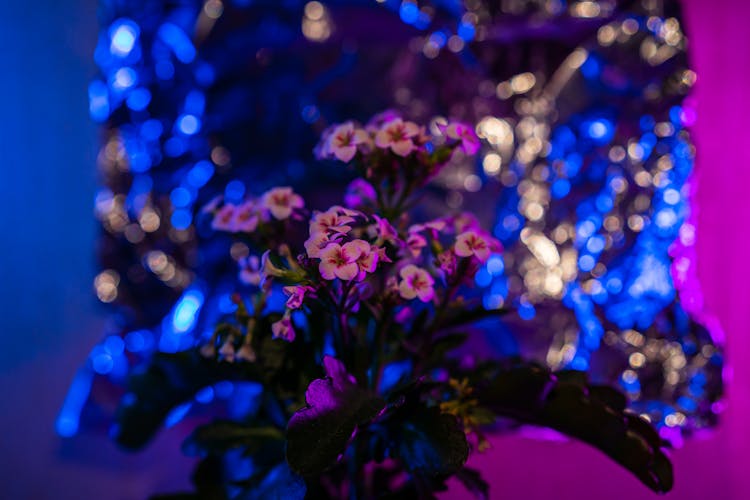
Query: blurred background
(50, 318)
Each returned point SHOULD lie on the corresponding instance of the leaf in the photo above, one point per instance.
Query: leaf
(279, 484)
(318, 433)
(166, 382)
(472, 479)
(533, 395)
(429, 442)
(222, 435)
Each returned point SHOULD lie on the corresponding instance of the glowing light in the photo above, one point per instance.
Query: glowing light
(491, 163)
(186, 310)
(123, 34)
(188, 124)
(124, 78)
(522, 83)
(178, 41)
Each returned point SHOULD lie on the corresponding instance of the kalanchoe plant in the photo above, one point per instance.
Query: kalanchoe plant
(364, 393)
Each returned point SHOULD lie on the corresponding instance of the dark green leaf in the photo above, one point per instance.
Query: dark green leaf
(167, 381)
(428, 442)
(222, 435)
(320, 432)
(472, 479)
(531, 394)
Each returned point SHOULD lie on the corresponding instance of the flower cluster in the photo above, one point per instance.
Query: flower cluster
(279, 203)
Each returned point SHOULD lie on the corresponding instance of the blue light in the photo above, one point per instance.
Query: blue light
(671, 196)
(224, 389)
(124, 78)
(234, 191)
(177, 414)
(495, 265)
(579, 363)
(139, 340)
(98, 101)
(483, 278)
(67, 421)
(101, 360)
(164, 70)
(526, 311)
(200, 174)
(180, 197)
(205, 74)
(115, 345)
(188, 124)
(585, 229)
(586, 263)
(139, 99)
(591, 67)
(175, 146)
(597, 129)
(595, 244)
(186, 310)
(665, 218)
(310, 113)
(409, 12)
(560, 188)
(123, 34)
(178, 41)
(151, 129)
(195, 102)
(181, 219)
(205, 395)
(466, 31)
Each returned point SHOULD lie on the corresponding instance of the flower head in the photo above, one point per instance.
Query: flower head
(332, 220)
(465, 135)
(283, 328)
(250, 272)
(397, 135)
(359, 193)
(343, 141)
(415, 243)
(340, 261)
(474, 243)
(296, 294)
(224, 218)
(246, 217)
(282, 201)
(447, 262)
(416, 283)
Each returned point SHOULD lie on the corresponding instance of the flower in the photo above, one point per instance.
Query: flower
(397, 135)
(224, 218)
(359, 193)
(250, 273)
(416, 283)
(315, 243)
(465, 135)
(227, 350)
(473, 243)
(385, 231)
(296, 294)
(332, 220)
(343, 141)
(415, 243)
(368, 259)
(282, 201)
(447, 262)
(246, 217)
(337, 261)
(246, 353)
(283, 328)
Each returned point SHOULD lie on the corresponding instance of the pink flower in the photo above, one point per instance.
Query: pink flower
(397, 135)
(246, 353)
(368, 259)
(465, 135)
(246, 217)
(330, 220)
(250, 270)
(447, 262)
(227, 350)
(296, 294)
(283, 328)
(224, 218)
(282, 201)
(385, 231)
(343, 141)
(415, 243)
(359, 193)
(473, 243)
(380, 119)
(465, 221)
(416, 283)
(337, 261)
(315, 243)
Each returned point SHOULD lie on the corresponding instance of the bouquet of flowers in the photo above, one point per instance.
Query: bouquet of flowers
(368, 384)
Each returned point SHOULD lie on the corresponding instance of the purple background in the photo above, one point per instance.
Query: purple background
(49, 319)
